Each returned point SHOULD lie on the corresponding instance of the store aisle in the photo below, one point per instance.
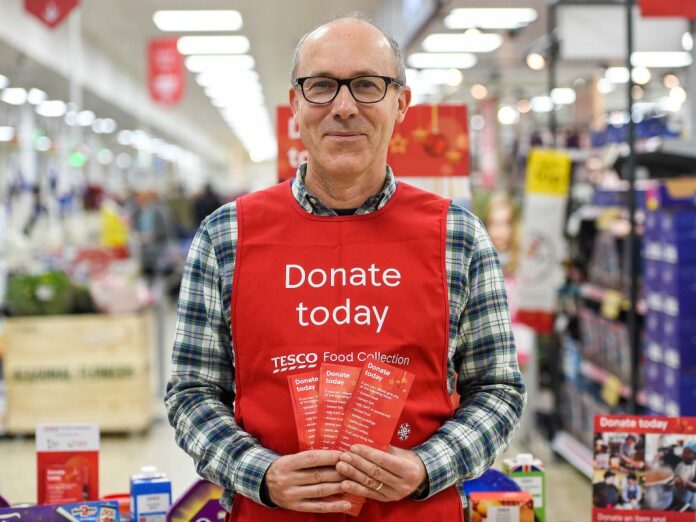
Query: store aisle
(568, 493)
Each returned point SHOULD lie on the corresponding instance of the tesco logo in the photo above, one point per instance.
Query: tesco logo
(295, 361)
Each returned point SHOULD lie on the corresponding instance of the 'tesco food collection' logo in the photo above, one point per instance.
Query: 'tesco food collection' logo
(294, 361)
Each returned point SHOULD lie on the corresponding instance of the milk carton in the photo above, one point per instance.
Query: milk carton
(151, 495)
(528, 472)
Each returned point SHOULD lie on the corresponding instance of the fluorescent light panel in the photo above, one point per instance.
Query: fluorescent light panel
(4, 81)
(51, 108)
(661, 59)
(563, 96)
(490, 18)
(442, 60)
(192, 20)
(213, 45)
(210, 62)
(212, 78)
(7, 133)
(617, 74)
(464, 43)
(14, 96)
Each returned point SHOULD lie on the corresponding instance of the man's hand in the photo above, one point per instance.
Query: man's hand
(298, 482)
(384, 476)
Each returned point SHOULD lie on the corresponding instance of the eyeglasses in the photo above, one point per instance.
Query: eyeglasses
(364, 89)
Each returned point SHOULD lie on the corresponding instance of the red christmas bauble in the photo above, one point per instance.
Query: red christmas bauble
(435, 144)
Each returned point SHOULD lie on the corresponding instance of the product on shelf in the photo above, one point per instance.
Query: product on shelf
(528, 472)
(151, 495)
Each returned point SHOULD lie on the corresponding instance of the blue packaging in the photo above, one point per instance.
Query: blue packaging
(151, 496)
(679, 391)
(93, 511)
(679, 338)
(678, 289)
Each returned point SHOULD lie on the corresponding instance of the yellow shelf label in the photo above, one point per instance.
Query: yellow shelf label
(612, 303)
(548, 172)
(611, 390)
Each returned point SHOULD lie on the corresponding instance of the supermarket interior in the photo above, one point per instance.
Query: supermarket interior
(540, 194)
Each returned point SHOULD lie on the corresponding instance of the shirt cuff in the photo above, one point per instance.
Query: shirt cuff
(439, 461)
(249, 471)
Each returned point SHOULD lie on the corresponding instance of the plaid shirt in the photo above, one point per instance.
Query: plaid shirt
(201, 389)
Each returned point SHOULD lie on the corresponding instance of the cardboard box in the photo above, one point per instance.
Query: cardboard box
(79, 369)
(506, 506)
(151, 496)
(528, 473)
(101, 511)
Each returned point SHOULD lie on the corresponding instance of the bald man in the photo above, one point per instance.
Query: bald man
(243, 320)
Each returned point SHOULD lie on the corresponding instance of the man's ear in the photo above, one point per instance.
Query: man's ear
(404, 101)
(294, 101)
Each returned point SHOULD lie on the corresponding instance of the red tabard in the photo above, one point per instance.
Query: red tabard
(312, 289)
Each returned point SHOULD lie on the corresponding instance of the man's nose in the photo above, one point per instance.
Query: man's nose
(344, 105)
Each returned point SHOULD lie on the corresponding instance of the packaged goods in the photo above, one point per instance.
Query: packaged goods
(100, 511)
(528, 472)
(151, 495)
(501, 506)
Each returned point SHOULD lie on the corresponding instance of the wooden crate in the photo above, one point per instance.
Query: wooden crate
(79, 368)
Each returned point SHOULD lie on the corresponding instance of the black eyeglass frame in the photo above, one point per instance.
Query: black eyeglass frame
(346, 81)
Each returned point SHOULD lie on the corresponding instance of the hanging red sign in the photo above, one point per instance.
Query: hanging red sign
(433, 141)
(166, 74)
(50, 12)
(678, 8)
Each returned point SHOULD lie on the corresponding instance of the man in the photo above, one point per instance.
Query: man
(628, 452)
(685, 476)
(605, 494)
(443, 310)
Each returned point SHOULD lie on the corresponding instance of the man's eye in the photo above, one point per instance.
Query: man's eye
(365, 84)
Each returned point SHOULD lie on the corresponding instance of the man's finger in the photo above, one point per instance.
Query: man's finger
(363, 469)
(383, 495)
(315, 491)
(315, 476)
(321, 506)
(392, 463)
(313, 459)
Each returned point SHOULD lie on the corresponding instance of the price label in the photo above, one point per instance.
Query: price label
(611, 390)
(548, 172)
(607, 217)
(611, 304)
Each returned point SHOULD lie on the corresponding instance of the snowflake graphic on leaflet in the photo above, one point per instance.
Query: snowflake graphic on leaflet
(404, 431)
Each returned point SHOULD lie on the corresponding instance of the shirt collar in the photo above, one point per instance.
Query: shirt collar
(314, 205)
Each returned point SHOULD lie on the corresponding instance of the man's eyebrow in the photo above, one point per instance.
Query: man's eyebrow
(362, 72)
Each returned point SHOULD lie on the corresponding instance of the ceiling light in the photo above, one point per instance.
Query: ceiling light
(563, 96)
(7, 133)
(478, 122)
(490, 18)
(670, 81)
(618, 118)
(617, 74)
(4, 81)
(108, 126)
(51, 108)
(213, 45)
(71, 118)
(524, 106)
(541, 104)
(469, 42)
(535, 61)
(14, 96)
(211, 62)
(36, 96)
(479, 91)
(637, 92)
(43, 144)
(105, 156)
(442, 60)
(669, 104)
(451, 77)
(85, 118)
(125, 137)
(661, 59)
(123, 160)
(210, 78)
(687, 41)
(508, 115)
(604, 86)
(678, 94)
(209, 20)
(641, 75)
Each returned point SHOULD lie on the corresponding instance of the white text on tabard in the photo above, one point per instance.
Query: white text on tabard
(348, 312)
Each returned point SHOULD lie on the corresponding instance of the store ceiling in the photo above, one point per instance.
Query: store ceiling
(122, 29)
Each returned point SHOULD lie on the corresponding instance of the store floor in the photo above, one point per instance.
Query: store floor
(568, 492)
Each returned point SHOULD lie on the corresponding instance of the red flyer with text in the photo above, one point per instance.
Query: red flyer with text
(373, 412)
(642, 467)
(336, 384)
(304, 390)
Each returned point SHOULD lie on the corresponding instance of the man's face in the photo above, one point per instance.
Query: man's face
(688, 456)
(346, 138)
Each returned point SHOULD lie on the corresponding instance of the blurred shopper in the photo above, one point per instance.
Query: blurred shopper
(685, 476)
(206, 203)
(228, 395)
(155, 226)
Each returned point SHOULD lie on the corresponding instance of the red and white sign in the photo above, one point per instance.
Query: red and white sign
(433, 141)
(166, 74)
(676, 8)
(67, 458)
(50, 12)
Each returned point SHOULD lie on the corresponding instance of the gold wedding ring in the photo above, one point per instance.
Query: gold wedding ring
(381, 485)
